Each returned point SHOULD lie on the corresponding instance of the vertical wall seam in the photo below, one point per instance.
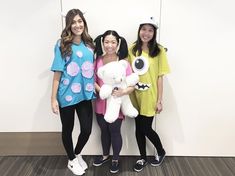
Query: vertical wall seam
(61, 10)
(160, 19)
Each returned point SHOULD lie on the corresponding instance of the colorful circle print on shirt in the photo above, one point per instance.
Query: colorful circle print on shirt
(77, 78)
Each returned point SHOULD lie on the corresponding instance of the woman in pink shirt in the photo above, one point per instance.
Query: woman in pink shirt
(110, 47)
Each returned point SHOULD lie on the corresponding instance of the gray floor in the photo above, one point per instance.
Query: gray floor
(172, 166)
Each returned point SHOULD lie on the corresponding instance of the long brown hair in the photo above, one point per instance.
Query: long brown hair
(67, 35)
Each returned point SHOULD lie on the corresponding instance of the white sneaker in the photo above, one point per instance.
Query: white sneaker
(75, 167)
(82, 162)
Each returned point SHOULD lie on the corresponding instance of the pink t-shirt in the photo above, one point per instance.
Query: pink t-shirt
(100, 105)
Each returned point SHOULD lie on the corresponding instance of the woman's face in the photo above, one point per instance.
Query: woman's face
(77, 26)
(146, 33)
(110, 44)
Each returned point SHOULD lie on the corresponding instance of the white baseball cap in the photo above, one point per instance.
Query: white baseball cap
(149, 20)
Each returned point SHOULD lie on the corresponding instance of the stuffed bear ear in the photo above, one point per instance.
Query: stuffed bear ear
(100, 72)
(123, 63)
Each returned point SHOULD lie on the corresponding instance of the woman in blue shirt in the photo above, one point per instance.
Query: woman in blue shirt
(73, 85)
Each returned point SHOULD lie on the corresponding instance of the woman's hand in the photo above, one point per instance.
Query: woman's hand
(159, 107)
(55, 85)
(55, 106)
(118, 92)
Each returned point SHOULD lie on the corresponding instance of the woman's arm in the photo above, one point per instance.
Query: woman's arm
(160, 92)
(97, 88)
(121, 92)
(55, 85)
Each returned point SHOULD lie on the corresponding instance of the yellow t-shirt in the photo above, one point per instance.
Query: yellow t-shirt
(144, 98)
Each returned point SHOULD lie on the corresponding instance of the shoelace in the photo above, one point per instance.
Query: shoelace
(157, 158)
(115, 163)
(141, 162)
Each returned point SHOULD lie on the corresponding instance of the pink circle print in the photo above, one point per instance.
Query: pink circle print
(68, 98)
(66, 82)
(79, 54)
(89, 87)
(76, 87)
(73, 69)
(87, 69)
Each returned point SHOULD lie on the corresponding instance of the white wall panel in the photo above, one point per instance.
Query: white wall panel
(122, 15)
(29, 30)
(199, 96)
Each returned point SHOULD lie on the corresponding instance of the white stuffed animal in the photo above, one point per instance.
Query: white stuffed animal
(113, 75)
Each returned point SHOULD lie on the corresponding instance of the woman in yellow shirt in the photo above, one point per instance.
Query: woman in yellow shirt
(149, 60)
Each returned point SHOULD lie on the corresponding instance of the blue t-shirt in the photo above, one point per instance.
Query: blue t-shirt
(77, 78)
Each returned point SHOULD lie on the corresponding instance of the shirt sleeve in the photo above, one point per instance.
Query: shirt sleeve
(58, 62)
(95, 69)
(163, 63)
(129, 55)
(128, 69)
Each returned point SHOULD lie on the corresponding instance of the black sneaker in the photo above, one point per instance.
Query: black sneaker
(99, 161)
(139, 165)
(114, 168)
(158, 159)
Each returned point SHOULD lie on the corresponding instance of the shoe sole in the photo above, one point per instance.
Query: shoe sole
(114, 172)
(97, 164)
(142, 168)
(159, 163)
(100, 163)
(74, 172)
(85, 168)
(138, 170)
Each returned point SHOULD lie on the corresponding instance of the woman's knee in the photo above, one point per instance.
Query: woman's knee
(86, 132)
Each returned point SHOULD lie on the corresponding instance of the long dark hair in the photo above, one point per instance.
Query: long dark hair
(67, 35)
(154, 49)
(123, 49)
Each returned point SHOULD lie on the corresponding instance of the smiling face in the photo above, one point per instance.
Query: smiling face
(146, 33)
(110, 44)
(77, 26)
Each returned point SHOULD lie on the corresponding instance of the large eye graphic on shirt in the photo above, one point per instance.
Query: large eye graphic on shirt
(140, 65)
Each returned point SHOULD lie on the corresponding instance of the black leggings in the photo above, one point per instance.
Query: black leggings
(144, 128)
(84, 113)
(110, 134)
